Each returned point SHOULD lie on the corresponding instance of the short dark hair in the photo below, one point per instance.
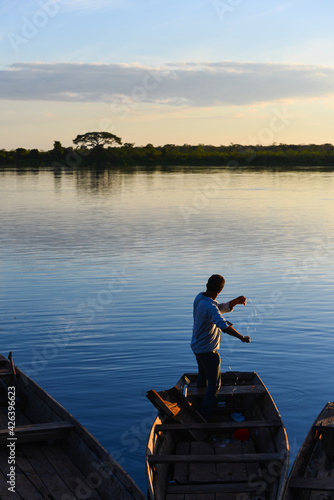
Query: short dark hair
(215, 283)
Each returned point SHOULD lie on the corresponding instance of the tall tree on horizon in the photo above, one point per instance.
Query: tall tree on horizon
(96, 140)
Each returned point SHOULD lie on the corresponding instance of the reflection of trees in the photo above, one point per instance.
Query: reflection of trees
(98, 181)
(105, 181)
(57, 176)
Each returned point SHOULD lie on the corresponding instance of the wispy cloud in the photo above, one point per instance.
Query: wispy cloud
(89, 5)
(206, 84)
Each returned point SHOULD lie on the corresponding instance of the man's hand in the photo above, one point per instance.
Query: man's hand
(241, 300)
(234, 333)
(238, 300)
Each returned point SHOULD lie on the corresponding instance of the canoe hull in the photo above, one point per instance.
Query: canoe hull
(231, 460)
(55, 456)
(312, 473)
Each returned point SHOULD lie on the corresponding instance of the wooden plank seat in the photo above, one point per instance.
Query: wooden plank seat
(251, 424)
(227, 377)
(5, 373)
(223, 458)
(174, 406)
(193, 391)
(312, 483)
(184, 489)
(32, 433)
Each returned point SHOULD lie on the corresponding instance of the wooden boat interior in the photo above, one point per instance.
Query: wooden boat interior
(220, 458)
(55, 457)
(312, 474)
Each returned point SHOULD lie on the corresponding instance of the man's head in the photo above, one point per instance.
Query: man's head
(215, 283)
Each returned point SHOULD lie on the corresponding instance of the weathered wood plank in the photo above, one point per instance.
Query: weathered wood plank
(182, 489)
(39, 462)
(193, 391)
(202, 472)
(244, 458)
(70, 474)
(312, 483)
(252, 468)
(173, 404)
(231, 472)
(181, 470)
(228, 377)
(24, 487)
(234, 496)
(250, 424)
(193, 496)
(167, 408)
(37, 432)
(110, 478)
(200, 496)
(34, 477)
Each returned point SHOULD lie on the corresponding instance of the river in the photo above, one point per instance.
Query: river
(99, 270)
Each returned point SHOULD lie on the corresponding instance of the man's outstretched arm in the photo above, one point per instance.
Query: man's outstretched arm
(238, 300)
(234, 333)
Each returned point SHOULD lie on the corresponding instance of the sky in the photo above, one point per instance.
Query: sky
(178, 72)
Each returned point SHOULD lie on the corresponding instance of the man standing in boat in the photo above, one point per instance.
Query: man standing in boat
(208, 325)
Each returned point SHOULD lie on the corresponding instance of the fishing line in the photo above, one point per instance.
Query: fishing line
(255, 314)
(225, 357)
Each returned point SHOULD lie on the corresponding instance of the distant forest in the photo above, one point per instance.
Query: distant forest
(96, 149)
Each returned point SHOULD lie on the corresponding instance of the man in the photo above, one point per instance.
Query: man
(208, 324)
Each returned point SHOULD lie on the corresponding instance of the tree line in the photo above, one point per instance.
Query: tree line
(107, 150)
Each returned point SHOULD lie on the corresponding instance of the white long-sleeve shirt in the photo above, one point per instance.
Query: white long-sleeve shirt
(208, 323)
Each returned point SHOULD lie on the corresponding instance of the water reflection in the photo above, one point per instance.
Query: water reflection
(118, 256)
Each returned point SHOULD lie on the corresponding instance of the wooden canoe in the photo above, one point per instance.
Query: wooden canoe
(312, 473)
(224, 458)
(46, 454)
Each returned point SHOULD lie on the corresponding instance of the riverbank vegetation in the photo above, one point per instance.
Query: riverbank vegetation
(107, 150)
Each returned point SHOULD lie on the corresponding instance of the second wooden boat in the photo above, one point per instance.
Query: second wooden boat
(46, 454)
(241, 453)
(312, 473)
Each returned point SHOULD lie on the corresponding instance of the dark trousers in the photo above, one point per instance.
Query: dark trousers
(209, 377)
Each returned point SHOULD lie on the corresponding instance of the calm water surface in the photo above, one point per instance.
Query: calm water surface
(99, 272)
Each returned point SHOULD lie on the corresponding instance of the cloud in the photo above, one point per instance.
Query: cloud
(88, 5)
(193, 84)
